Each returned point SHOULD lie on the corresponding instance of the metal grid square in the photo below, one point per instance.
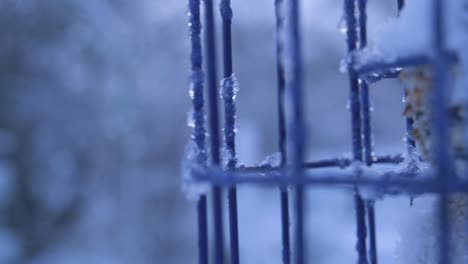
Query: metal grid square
(293, 171)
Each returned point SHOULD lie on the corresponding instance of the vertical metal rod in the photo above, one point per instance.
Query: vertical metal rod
(370, 206)
(362, 8)
(367, 131)
(284, 196)
(440, 126)
(202, 230)
(212, 86)
(291, 59)
(368, 160)
(286, 252)
(401, 4)
(366, 124)
(199, 131)
(228, 95)
(349, 9)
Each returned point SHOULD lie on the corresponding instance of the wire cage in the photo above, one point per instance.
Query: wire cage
(294, 174)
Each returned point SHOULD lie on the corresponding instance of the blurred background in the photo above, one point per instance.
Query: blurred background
(93, 126)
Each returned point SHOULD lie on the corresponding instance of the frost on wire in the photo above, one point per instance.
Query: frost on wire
(228, 92)
(195, 156)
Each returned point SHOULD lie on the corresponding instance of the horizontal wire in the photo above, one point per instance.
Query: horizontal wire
(327, 163)
(389, 183)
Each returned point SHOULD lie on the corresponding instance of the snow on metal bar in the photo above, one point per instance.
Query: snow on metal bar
(342, 163)
(408, 177)
(229, 88)
(198, 116)
(374, 77)
(376, 66)
(373, 68)
(364, 92)
(367, 131)
(351, 34)
(371, 182)
(195, 152)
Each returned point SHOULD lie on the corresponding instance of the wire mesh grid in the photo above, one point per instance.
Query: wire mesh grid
(293, 172)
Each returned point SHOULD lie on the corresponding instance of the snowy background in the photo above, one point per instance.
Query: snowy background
(93, 128)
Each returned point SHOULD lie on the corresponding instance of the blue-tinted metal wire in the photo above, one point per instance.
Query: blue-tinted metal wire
(280, 82)
(375, 77)
(362, 4)
(388, 159)
(372, 233)
(361, 229)
(229, 127)
(401, 4)
(284, 196)
(226, 15)
(368, 160)
(441, 124)
(202, 230)
(377, 66)
(366, 124)
(389, 183)
(196, 81)
(354, 82)
(199, 131)
(367, 131)
(351, 33)
(292, 62)
(329, 163)
(212, 85)
(286, 252)
(293, 95)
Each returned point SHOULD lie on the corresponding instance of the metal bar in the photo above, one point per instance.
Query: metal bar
(362, 5)
(372, 233)
(401, 4)
(199, 131)
(284, 196)
(376, 66)
(367, 131)
(440, 126)
(377, 76)
(285, 236)
(226, 16)
(292, 61)
(395, 159)
(341, 163)
(228, 95)
(212, 86)
(390, 183)
(354, 82)
(386, 185)
(351, 33)
(202, 230)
